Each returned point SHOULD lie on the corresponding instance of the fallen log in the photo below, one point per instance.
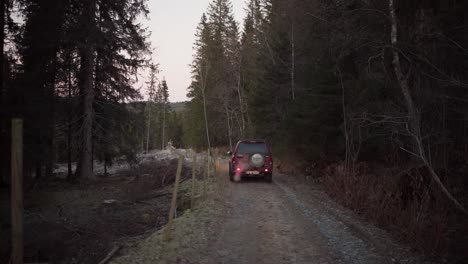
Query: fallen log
(110, 255)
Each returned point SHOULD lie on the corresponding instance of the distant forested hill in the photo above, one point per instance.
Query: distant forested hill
(178, 106)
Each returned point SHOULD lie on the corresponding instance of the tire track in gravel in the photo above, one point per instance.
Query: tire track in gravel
(261, 226)
(273, 223)
(340, 240)
(349, 238)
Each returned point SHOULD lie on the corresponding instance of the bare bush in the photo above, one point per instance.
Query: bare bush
(153, 176)
(400, 202)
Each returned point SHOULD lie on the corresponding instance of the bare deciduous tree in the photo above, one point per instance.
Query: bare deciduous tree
(414, 121)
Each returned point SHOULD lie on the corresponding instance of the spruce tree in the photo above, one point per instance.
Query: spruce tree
(196, 128)
(216, 87)
(114, 29)
(163, 91)
(152, 99)
(39, 50)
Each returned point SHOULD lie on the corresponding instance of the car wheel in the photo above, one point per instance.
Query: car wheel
(237, 178)
(231, 174)
(269, 178)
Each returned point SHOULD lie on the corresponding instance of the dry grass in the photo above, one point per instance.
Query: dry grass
(400, 201)
(70, 223)
(150, 177)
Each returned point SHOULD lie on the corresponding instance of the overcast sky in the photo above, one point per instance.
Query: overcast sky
(173, 24)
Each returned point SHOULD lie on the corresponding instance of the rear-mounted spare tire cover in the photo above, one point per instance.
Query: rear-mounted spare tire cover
(257, 160)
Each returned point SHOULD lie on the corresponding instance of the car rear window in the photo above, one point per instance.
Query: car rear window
(247, 147)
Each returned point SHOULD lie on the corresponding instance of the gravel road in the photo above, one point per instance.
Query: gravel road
(286, 221)
(261, 225)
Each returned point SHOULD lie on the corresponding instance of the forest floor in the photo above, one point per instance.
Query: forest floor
(258, 222)
(80, 222)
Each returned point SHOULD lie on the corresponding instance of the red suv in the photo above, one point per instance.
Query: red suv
(251, 157)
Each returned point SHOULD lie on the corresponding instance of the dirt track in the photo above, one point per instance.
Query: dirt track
(286, 221)
(261, 226)
(282, 223)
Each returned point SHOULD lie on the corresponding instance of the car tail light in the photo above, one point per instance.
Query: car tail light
(238, 169)
(267, 170)
(234, 159)
(269, 160)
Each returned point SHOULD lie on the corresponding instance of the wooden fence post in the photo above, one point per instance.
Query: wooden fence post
(219, 178)
(215, 163)
(194, 167)
(168, 230)
(206, 175)
(17, 191)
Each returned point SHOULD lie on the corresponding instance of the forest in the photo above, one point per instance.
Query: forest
(72, 78)
(368, 97)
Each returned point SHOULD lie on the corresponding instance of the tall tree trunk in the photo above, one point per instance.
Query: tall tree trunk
(228, 119)
(241, 102)
(50, 130)
(293, 62)
(105, 165)
(92, 150)
(148, 125)
(205, 114)
(207, 174)
(50, 158)
(163, 125)
(87, 65)
(69, 129)
(414, 120)
(345, 123)
(4, 142)
(206, 120)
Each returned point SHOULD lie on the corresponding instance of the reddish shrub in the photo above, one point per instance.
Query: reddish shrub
(400, 202)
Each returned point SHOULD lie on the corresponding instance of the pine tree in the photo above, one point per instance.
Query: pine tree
(7, 93)
(268, 113)
(4, 135)
(197, 114)
(226, 89)
(114, 29)
(250, 64)
(163, 91)
(39, 51)
(152, 99)
(216, 87)
(87, 54)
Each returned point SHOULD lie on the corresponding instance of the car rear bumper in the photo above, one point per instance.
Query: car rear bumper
(261, 173)
(247, 171)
